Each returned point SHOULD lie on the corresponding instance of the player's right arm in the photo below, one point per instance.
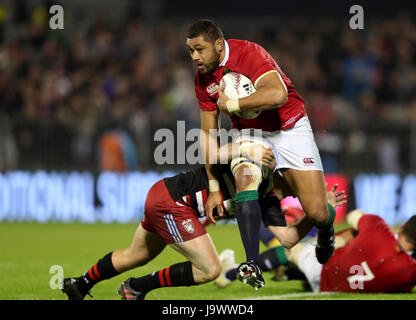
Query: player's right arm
(209, 147)
(271, 92)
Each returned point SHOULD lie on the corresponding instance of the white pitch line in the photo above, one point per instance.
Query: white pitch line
(290, 295)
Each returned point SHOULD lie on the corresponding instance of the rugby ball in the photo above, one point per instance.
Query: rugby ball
(236, 86)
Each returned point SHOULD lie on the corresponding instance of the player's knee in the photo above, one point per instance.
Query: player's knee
(288, 244)
(243, 178)
(126, 259)
(136, 258)
(211, 271)
(214, 271)
(247, 177)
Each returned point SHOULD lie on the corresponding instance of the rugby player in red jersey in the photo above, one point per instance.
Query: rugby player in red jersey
(369, 257)
(283, 123)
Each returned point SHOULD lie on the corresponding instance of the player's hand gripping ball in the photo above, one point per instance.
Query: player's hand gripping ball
(236, 86)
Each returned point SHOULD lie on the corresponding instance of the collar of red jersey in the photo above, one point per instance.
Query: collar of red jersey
(227, 54)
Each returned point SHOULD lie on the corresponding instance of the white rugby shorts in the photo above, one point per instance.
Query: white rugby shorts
(294, 148)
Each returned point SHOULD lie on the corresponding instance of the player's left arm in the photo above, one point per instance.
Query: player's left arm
(291, 235)
(271, 92)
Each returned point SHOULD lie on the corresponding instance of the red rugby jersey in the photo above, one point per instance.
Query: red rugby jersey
(251, 60)
(374, 257)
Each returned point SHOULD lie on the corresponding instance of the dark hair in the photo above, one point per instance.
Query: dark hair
(207, 28)
(409, 230)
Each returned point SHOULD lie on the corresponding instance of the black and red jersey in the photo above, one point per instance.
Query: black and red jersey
(191, 188)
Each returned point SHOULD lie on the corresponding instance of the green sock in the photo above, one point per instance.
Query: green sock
(248, 215)
(248, 195)
(280, 251)
(331, 219)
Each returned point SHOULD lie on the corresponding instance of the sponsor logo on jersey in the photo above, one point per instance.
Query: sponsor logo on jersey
(188, 225)
(308, 160)
(211, 89)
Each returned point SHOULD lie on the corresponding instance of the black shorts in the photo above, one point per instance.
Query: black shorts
(271, 211)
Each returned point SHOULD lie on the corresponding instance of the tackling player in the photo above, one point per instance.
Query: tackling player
(284, 125)
(173, 206)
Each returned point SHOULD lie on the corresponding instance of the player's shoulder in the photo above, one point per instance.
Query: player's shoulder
(238, 43)
(244, 46)
(375, 228)
(373, 220)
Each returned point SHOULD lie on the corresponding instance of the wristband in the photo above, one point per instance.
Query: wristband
(232, 105)
(214, 186)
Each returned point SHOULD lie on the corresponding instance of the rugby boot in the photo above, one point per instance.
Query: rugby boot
(128, 293)
(70, 287)
(250, 273)
(325, 245)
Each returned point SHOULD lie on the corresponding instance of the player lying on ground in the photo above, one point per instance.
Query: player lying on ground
(369, 257)
(173, 206)
(283, 122)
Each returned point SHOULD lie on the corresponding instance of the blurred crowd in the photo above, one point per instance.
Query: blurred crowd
(92, 96)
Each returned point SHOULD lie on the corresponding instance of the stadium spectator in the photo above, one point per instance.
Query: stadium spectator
(362, 78)
(8, 150)
(116, 152)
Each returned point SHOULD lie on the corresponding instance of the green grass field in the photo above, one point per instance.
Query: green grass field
(28, 251)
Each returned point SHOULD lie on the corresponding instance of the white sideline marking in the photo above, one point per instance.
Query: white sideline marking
(290, 295)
